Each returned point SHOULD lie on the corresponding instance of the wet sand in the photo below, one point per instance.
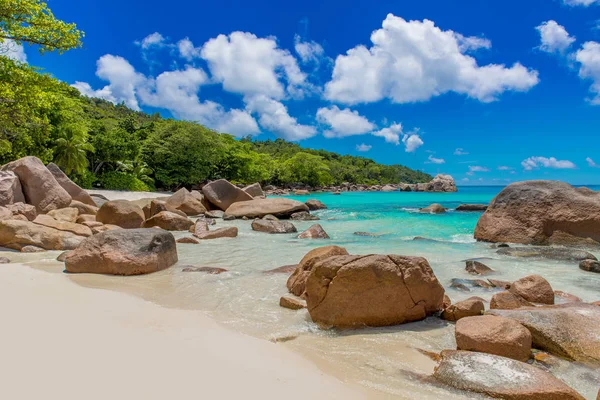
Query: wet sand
(64, 341)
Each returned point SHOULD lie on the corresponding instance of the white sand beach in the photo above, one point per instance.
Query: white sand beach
(63, 341)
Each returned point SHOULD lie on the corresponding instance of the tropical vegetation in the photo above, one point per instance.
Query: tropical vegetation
(98, 143)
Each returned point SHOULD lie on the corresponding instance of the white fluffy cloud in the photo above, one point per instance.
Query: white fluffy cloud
(391, 134)
(537, 162)
(273, 115)
(589, 58)
(591, 163)
(504, 168)
(584, 3)
(153, 40)
(554, 37)
(412, 142)
(460, 152)
(343, 123)
(9, 48)
(413, 61)
(433, 160)
(249, 65)
(363, 147)
(177, 91)
(122, 81)
(187, 50)
(308, 51)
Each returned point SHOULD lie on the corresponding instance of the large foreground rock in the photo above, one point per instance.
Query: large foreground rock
(296, 283)
(124, 252)
(71, 187)
(19, 234)
(373, 290)
(570, 330)
(500, 377)
(39, 185)
(10, 189)
(223, 194)
(494, 335)
(542, 212)
(185, 202)
(258, 208)
(121, 213)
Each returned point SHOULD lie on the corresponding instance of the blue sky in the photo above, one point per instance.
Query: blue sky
(515, 84)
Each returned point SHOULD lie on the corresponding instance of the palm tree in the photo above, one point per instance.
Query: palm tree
(137, 168)
(70, 150)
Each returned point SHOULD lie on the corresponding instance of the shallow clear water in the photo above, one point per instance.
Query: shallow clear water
(247, 299)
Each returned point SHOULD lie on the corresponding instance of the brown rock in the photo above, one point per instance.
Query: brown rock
(466, 308)
(316, 231)
(258, 208)
(373, 290)
(208, 270)
(440, 183)
(32, 249)
(188, 240)
(124, 252)
(472, 207)
(121, 213)
(508, 301)
(447, 302)
(16, 234)
(254, 190)
(292, 303)
(566, 297)
(542, 212)
(433, 209)
(62, 256)
(229, 232)
(91, 224)
(39, 185)
(499, 284)
(68, 214)
(10, 189)
(494, 335)
(477, 268)
(223, 194)
(314, 205)
(301, 192)
(157, 206)
(71, 187)
(534, 289)
(590, 266)
(500, 377)
(26, 210)
(304, 216)
(267, 226)
(199, 227)
(78, 229)
(86, 218)
(104, 228)
(568, 330)
(296, 283)
(84, 209)
(5, 213)
(183, 201)
(286, 269)
(169, 221)
(214, 214)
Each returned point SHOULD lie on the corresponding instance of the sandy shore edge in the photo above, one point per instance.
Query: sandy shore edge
(63, 341)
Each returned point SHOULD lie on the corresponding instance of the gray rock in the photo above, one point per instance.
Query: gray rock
(553, 253)
(268, 226)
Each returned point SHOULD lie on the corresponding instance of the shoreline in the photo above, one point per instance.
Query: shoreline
(71, 340)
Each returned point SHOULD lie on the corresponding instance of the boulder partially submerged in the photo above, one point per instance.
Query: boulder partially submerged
(500, 377)
(258, 208)
(553, 253)
(124, 252)
(296, 283)
(570, 330)
(542, 213)
(315, 231)
(268, 226)
(372, 290)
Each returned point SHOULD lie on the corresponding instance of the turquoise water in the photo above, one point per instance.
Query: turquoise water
(247, 300)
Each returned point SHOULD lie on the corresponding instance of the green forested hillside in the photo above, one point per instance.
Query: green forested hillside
(101, 144)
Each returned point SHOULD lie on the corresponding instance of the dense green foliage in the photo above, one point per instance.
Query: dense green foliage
(98, 143)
